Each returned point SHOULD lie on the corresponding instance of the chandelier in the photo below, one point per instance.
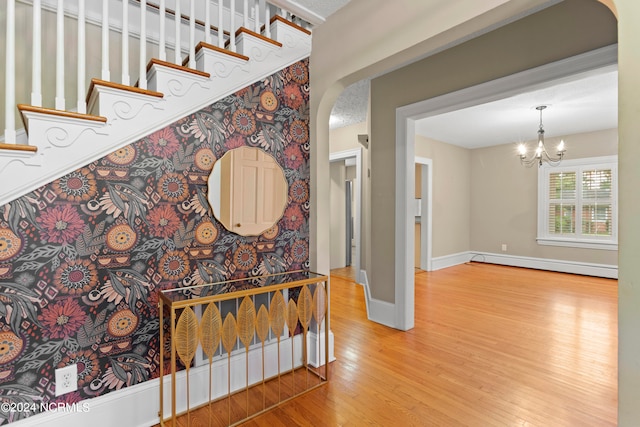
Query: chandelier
(540, 154)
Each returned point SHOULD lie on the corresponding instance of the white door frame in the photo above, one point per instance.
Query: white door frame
(341, 156)
(426, 196)
(525, 81)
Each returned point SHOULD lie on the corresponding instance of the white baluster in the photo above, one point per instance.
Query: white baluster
(106, 75)
(142, 80)
(10, 75)
(256, 15)
(220, 24)
(267, 21)
(178, 54)
(36, 56)
(60, 103)
(125, 42)
(82, 105)
(163, 41)
(207, 21)
(245, 11)
(232, 27)
(192, 34)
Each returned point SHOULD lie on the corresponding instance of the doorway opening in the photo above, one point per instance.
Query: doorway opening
(346, 210)
(544, 76)
(423, 206)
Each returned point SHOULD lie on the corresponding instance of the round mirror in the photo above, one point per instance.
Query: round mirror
(247, 191)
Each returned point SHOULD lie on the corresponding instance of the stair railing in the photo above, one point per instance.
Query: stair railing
(142, 19)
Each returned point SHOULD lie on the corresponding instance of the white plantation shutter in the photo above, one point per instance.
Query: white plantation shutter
(562, 203)
(577, 203)
(597, 202)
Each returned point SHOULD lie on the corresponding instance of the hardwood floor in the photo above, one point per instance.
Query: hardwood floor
(492, 346)
(347, 273)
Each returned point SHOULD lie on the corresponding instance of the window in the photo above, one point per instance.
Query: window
(577, 203)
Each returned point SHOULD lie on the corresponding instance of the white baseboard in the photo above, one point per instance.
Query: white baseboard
(316, 348)
(438, 263)
(574, 267)
(139, 405)
(382, 312)
(562, 266)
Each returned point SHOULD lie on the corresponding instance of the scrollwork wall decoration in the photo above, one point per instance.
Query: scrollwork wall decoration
(225, 69)
(65, 137)
(260, 54)
(126, 111)
(180, 88)
(290, 41)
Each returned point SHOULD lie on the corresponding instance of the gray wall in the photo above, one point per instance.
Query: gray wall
(504, 199)
(570, 28)
(451, 208)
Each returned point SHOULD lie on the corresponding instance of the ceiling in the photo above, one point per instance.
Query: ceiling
(314, 12)
(583, 104)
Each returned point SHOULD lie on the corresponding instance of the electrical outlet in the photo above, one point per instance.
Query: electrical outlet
(66, 379)
(504, 247)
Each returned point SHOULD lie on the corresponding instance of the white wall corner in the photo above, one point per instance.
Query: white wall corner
(316, 345)
(378, 311)
(451, 260)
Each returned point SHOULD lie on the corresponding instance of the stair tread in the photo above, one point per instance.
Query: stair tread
(289, 23)
(62, 113)
(221, 50)
(98, 82)
(155, 61)
(254, 34)
(53, 112)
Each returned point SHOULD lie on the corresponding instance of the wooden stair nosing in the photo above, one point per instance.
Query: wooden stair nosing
(254, 34)
(113, 85)
(155, 61)
(289, 23)
(52, 112)
(18, 147)
(221, 50)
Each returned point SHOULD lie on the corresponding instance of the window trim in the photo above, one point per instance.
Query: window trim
(544, 237)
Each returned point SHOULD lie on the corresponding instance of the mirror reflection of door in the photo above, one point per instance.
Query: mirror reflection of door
(249, 191)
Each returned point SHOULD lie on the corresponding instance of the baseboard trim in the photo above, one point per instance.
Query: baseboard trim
(316, 348)
(378, 311)
(438, 263)
(561, 266)
(139, 405)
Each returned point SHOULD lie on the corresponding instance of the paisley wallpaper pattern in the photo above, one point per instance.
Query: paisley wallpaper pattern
(82, 258)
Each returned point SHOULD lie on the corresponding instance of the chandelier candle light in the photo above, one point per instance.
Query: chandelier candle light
(540, 154)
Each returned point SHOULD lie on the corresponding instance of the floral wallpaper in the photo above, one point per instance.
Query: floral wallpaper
(82, 258)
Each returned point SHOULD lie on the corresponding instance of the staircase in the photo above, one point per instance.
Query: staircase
(113, 115)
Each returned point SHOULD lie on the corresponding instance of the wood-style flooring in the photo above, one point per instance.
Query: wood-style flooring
(492, 346)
